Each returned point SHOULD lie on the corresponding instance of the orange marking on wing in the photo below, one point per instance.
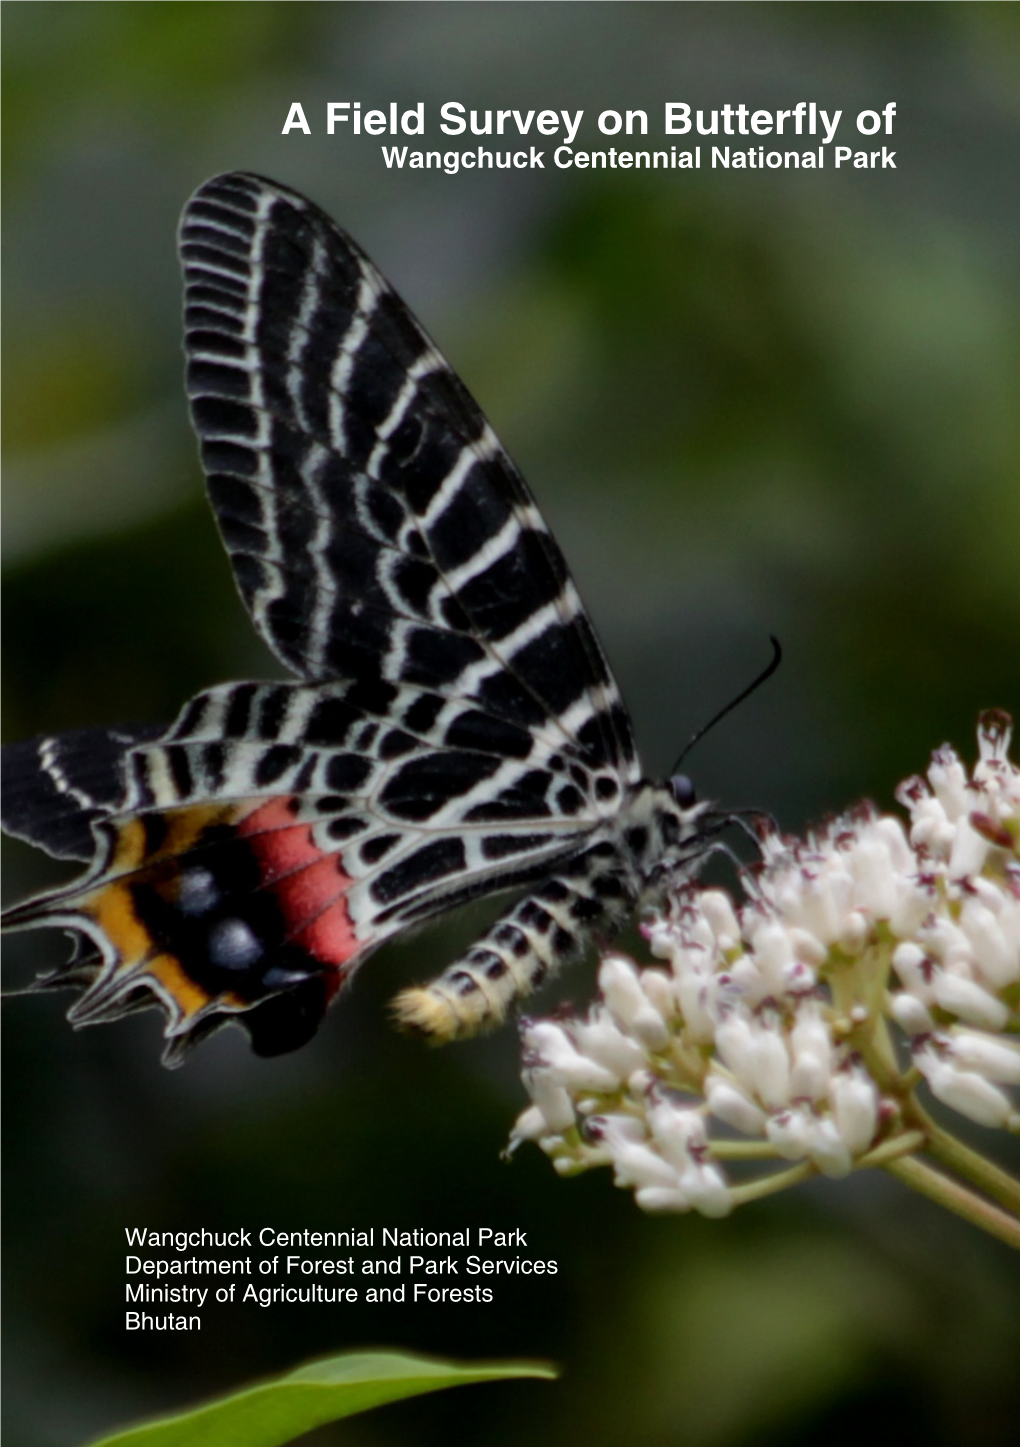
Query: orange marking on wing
(129, 851)
(184, 829)
(168, 972)
(309, 884)
(113, 910)
(186, 826)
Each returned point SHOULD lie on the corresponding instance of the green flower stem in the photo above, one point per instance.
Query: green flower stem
(965, 1162)
(904, 1144)
(769, 1185)
(954, 1197)
(743, 1150)
(865, 983)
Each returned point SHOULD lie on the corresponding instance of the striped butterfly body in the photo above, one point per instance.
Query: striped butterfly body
(454, 731)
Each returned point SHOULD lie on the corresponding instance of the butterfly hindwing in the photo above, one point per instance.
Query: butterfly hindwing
(389, 779)
(276, 834)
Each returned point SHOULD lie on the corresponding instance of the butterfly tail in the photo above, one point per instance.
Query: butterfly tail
(215, 912)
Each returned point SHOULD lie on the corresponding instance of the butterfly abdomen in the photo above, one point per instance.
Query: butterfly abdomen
(525, 946)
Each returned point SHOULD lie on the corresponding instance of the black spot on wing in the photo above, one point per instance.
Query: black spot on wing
(504, 846)
(377, 847)
(423, 712)
(239, 708)
(218, 416)
(346, 827)
(330, 721)
(433, 861)
(552, 665)
(435, 658)
(473, 729)
(507, 593)
(474, 514)
(275, 762)
(395, 743)
(347, 772)
(425, 784)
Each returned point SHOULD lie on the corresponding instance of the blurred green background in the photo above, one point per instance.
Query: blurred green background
(748, 403)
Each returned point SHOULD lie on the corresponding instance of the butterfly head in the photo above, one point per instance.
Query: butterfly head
(664, 829)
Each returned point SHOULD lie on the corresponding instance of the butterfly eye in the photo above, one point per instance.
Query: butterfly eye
(683, 791)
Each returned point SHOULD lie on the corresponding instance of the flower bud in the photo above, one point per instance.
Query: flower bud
(706, 1189)
(747, 981)
(619, 984)
(658, 990)
(910, 1014)
(825, 902)
(949, 780)
(967, 999)
(568, 1066)
(967, 1092)
(733, 1107)
(530, 1125)
(639, 1165)
(660, 1200)
(915, 970)
(791, 1133)
(693, 996)
(875, 878)
(829, 1150)
(969, 852)
(809, 1077)
(853, 933)
(734, 1042)
(997, 958)
(771, 1067)
(799, 979)
(676, 1131)
(894, 837)
(811, 1033)
(808, 947)
(854, 1100)
(552, 1101)
(601, 1040)
(773, 951)
(720, 915)
(994, 1058)
(913, 904)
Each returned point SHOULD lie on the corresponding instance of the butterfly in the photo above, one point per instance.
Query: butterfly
(451, 730)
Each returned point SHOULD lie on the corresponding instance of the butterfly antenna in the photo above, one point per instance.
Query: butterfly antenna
(767, 672)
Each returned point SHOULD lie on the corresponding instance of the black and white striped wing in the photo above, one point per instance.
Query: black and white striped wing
(376, 527)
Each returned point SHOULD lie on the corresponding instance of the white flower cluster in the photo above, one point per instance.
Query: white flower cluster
(866, 959)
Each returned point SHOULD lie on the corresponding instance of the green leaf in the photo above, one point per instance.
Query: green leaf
(278, 1410)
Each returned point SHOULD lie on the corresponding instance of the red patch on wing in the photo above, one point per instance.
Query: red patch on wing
(310, 886)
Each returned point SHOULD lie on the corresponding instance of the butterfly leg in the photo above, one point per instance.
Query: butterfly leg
(526, 945)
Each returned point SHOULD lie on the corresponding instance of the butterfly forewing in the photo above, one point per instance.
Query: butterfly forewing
(376, 525)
